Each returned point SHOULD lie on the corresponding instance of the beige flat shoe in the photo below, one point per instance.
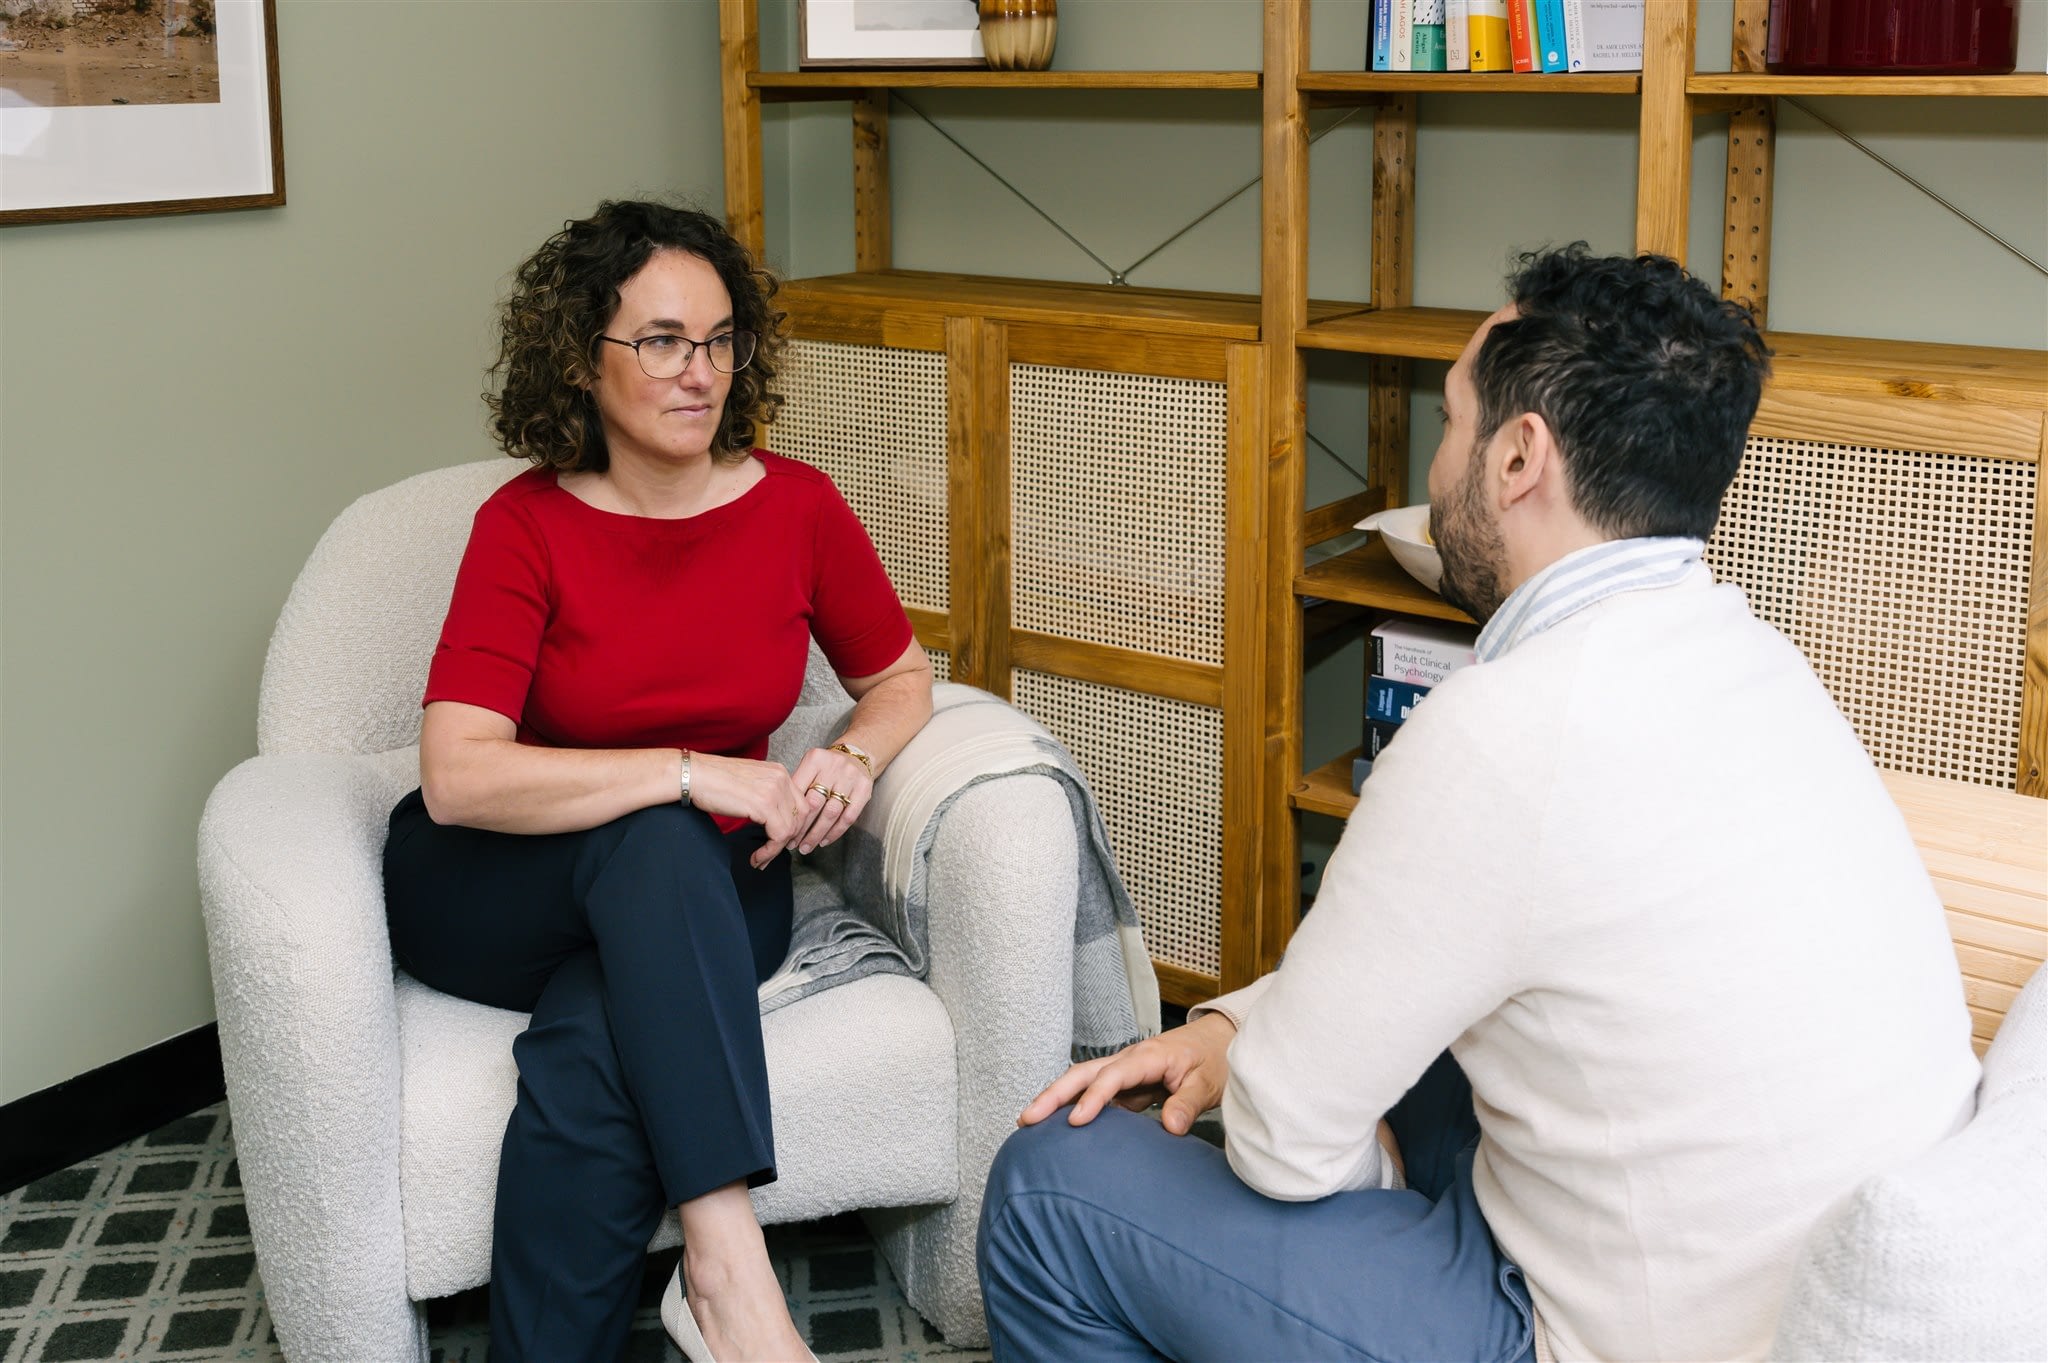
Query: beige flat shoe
(682, 1325)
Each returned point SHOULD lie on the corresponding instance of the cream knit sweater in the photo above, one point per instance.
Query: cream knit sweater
(1642, 880)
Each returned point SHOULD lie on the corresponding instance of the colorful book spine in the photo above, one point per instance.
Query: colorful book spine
(1457, 35)
(1522, 36)
(1378, 734)
(1389, 701)
(1382, 34)
(1427, 47)
(1486, 32)
(1401, 42)
(1612, 35)
(1552, 37)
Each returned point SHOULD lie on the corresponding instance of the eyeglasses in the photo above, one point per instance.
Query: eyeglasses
(663, 356)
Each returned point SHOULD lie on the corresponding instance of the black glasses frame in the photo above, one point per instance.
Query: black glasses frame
(690, 353)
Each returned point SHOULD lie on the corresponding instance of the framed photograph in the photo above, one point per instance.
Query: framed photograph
(126, 108)
(888, 33)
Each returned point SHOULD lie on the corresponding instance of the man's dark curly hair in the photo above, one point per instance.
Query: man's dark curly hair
(567, 293)
(1648, 382)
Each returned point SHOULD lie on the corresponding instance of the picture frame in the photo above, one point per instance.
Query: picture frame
(910, 33)
(135, 108)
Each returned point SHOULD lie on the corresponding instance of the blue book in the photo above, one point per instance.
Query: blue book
(1552, 53)
(1382, 35)
(1361, 767)
(1388, 701)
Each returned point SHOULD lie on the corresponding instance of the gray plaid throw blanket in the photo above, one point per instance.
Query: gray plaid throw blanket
(861, 907)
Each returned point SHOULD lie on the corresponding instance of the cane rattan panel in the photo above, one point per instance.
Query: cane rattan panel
(1116, 532)
(874, 419)
(942, 664)
(1903, 577)
(1156, 767)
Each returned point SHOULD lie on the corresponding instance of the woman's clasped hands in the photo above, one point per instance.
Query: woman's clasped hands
(808, 809)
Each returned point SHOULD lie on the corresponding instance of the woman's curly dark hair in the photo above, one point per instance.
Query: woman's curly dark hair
(567, 293)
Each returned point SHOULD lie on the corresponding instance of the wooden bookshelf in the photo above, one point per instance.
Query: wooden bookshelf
(784, 86)
(1846, 365)
(1327, 789)
(2023, 86)
(1368, 576)
(1185, 312)
(1413, 333)
(1337, 88)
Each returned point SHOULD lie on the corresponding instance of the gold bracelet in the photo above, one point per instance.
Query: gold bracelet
(857, 755)
(684, 795)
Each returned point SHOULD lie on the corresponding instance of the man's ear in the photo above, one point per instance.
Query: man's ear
(1529, 459)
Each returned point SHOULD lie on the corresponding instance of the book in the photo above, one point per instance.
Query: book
(1382, 34)
(1389, 701)
(1486, 31)
(1552, 37)
(1574, 34)
(1522, 36)
(1361, 767)
(1426, 48)
(1424, 651)
(1613, 34)
(1378, 734)
(1457, 35)
(1400, 43)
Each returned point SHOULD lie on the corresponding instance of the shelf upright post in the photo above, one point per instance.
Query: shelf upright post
(1283, 311)
(1664, 143)
(1752, 155)
(739, 56)
(1392, 263)
(871, 245)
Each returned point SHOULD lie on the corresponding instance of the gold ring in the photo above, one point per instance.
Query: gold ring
(836, 795)
(818, 788)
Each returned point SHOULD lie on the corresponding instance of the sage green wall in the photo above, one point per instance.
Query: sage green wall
(185, 403)
(1856, 251)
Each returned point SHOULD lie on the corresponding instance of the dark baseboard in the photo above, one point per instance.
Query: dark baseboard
(110, 1106)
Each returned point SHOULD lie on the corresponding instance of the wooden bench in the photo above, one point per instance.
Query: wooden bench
(1987, 851)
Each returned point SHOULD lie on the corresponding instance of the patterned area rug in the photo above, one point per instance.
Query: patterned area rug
(144, 1253)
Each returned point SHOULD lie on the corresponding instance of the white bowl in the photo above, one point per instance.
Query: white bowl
(1404, 528)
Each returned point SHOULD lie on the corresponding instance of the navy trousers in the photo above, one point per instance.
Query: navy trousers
(637, 947)
(1116, 1240)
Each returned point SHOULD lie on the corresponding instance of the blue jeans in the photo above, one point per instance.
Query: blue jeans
(1116, 1240)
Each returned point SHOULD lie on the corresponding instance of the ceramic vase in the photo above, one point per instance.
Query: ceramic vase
(1018, 35)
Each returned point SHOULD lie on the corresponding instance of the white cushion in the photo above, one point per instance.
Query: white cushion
(1947, 1257)
(861, 1077)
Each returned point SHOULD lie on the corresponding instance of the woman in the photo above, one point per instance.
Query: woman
(597, 838)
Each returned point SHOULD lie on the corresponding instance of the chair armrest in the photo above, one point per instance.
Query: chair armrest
(291, 884)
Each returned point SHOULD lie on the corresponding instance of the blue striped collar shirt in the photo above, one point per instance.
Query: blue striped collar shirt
(1582, 578)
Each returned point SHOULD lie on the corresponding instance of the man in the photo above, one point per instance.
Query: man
(1625, 941)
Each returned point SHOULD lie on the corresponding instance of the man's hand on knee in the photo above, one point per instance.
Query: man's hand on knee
(1187, 1067)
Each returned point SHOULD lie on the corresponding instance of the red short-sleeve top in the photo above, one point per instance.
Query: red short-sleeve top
(591, 629)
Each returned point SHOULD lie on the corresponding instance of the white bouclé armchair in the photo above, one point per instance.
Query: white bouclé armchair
(368, 1109)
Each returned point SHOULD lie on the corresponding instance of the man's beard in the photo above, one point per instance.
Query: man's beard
(1470, 545)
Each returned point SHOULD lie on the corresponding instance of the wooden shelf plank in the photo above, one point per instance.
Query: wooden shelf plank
(1368, 576)
(1417, 333)
(1333, 87)
(1178, 312)
(1759, 83)
(1327, 789)
(845, 83)
(1807, 363)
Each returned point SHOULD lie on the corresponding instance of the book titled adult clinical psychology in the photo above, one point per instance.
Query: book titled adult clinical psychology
(1423, 651)
(1486, 29)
